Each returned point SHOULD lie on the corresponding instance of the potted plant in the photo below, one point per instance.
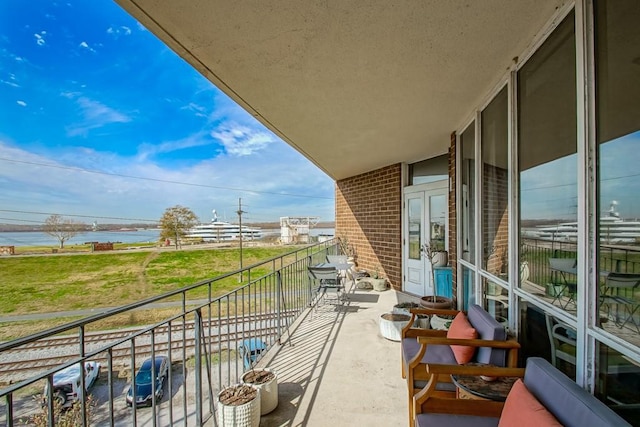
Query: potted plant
(379, 283)
(349, 250)
(422, 320)
(267, 381)
(239, 406)
(435, 253)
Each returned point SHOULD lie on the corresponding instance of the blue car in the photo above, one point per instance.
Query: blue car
(145, 385)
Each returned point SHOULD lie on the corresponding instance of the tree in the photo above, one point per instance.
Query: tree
(175, 223)
(61, 228)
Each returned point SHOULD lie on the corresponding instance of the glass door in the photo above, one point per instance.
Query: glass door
(425, 223)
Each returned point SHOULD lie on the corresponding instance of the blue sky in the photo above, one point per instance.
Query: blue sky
(85, 88)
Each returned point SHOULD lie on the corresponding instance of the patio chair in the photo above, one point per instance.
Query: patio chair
(562, 338)
(619, 290)
(249, 351)
(327, 279)
(420, 347)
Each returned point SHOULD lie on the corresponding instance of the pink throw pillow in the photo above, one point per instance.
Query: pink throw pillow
(522, 409)
(462, 329)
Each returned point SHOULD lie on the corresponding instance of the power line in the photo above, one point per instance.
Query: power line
(165, 181)
(79, 216)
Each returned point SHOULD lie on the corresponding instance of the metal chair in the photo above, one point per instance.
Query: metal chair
(562, 338)
(560, 268)
(327, 279)
(624, 285)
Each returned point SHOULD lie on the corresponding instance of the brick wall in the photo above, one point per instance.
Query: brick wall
(369, 215)
(495, 218)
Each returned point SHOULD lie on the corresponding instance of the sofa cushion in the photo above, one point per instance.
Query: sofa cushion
(448, 420)
(567, 401)
(488, 328)
(441, 354)
(461, 328)
(522, 409)
(435, 353)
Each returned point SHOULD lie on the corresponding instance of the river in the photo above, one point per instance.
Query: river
(37, 238)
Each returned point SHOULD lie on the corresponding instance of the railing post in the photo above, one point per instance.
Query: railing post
(278, 302)
(197, 334)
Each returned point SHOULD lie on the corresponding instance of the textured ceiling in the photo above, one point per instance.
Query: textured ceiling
(352, 85)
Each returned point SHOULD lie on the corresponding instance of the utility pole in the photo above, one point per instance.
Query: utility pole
(240, 212)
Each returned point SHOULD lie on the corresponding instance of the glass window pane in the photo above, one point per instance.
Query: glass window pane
(496, 300)
(618, 135)
(430, 170)
(548, 165)
(543, 335)
(415, 221)
(618, 383)
(495, 185)
(468, 288)
(468, 143)
(437, 219)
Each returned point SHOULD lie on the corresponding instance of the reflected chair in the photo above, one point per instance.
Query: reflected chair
(562, 338)
(560, 269)
(327, 279)
(624, 285)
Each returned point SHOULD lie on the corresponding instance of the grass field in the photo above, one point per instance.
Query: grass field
(41, 284)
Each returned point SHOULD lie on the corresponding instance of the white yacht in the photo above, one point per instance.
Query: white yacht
(220, 231)
(613, 229)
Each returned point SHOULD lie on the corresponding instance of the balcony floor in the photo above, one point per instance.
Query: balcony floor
(336, 369)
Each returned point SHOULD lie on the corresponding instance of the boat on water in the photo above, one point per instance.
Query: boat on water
(613, 229)
(221, 231)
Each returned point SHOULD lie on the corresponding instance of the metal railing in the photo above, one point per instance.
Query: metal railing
(202, 342)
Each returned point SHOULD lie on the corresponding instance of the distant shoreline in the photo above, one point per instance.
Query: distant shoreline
(13, 228)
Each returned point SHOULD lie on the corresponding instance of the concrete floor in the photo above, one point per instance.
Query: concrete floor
(337, 370)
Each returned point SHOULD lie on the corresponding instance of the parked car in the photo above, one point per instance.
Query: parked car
(145, 384)
(66, 382)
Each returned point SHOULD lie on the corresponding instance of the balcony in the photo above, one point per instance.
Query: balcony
(333, 366)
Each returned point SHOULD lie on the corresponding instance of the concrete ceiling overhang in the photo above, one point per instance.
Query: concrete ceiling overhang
(352, 85)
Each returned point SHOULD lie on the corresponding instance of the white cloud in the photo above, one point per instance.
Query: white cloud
(119, 31)
(239, 140)
(39, 39)
(21, 103)
(84, 45)
(199, 139)
(261, 181)
(95, 115)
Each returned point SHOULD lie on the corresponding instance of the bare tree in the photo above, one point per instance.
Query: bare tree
(61, 228)
(175, 223)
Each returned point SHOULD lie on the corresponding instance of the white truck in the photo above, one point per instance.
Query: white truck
(66, 383)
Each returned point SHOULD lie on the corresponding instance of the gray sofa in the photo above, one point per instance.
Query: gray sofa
(570, 404)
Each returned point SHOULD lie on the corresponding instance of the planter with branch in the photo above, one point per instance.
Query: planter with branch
(239, 406)
(437, 257)
(267, 381)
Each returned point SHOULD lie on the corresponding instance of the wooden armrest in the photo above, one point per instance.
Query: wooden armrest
(509, 344)
(490, 371)
(481, 408)
(419, 332)
(429, 311)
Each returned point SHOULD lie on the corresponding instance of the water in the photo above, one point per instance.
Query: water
(36, 238)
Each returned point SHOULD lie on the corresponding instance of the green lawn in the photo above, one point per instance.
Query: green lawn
(51, 283)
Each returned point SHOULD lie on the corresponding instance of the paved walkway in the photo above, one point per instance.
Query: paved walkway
(337, 370)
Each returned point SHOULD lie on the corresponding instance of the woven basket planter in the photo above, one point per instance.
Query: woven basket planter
(241, 415)
(268, 389)
(391, 325)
